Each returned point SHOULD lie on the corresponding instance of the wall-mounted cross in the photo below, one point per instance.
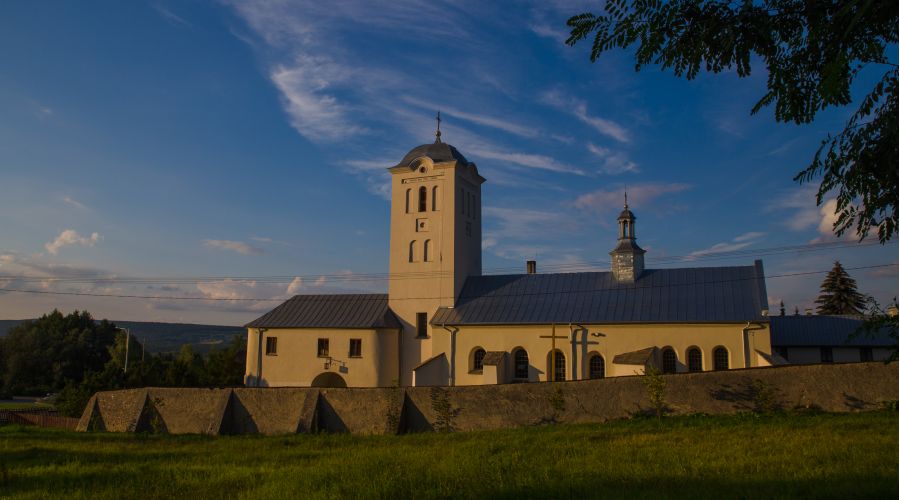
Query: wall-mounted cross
(552, 337)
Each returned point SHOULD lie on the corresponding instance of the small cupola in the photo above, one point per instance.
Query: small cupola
(627, 261)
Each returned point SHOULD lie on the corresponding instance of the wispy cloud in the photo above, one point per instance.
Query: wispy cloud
(70, 237)
(170, 16)
(737, 243)
(541, 162)
(639, 195)
(613, 162)
(234, 246)
(73, 202)
(488, 121)
(578, 108)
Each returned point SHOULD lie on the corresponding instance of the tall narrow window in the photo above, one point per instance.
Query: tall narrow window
(423, 199)
(462, 205)
(865, 354)
(557, 365)
(271, 346)
(669, 360)
(474, 207)
(427, 253)
(434, 199)
(408, 199)
(695, 360)
(478, 360)
(597, 367)
(412, 251)
(827, 355)
(355, 348)
(625, 229)
(421, 324)
(323, 348)
(521, 364)
(720, 358)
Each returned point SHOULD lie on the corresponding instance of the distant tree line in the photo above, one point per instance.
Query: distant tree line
(75, 356)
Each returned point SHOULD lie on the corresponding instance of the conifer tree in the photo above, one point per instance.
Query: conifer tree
(838, 294)
(782, 308)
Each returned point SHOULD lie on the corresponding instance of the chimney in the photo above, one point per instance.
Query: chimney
(531, 267)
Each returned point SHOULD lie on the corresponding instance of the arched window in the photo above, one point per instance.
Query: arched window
(720, 358)
(520, 360)
(669, 360)
(434, 199)
(478, 359)
(695, 360)
(408, 199)
(423, 199)
(412, 251)
(427, 255)
(597, 367)
(556, 365)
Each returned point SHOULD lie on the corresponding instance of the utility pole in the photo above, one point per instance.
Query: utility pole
(127, 339)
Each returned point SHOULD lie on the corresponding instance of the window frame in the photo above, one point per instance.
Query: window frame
(517, 364)
(826, 355)
(668, 351)
(320, 352)
(357, 352)
(717, 358)
(691, 352)
(271, 346)
(423, 199)
(591, 370)
(478, 355)
(421, 325)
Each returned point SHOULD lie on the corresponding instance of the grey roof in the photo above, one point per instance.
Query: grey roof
(330, 311)
(641, 357)
(438, 152)
(687, 295)
(835, 331)
(627, 245)
(626, 214)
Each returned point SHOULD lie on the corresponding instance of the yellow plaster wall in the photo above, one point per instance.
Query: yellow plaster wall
(297, 363)
(608, 341)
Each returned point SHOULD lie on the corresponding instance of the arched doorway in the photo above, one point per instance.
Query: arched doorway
(328, 379)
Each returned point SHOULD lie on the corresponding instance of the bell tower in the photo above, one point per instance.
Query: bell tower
(435, 243)
(627, 258)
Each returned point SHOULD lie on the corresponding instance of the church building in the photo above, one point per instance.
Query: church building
(444, 323)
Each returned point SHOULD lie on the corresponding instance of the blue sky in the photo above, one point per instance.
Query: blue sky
(192, 142)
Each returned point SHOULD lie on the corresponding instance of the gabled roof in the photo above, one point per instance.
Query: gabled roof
(687, 295)
(831, 331)
(330, 311)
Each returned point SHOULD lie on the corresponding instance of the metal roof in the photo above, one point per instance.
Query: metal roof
(686, 295)
(438, 152)
(835, 331)
(330, 311)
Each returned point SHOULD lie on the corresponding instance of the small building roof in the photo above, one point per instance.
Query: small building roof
(827, 331)
(641, 357)
(330, 311)
(686, 295)
(493, 358)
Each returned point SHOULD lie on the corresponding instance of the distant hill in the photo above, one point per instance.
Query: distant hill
(166, 337)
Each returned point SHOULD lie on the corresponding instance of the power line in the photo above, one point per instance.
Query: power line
(698, 283)
(370, 277)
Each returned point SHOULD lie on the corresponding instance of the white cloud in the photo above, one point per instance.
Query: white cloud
(578, 108)
(73, 202)
(639, 195)
(613, 162)
(295, 285)
(71, 237)
(737, 243)
(170, 16)
(314, 112)
(488, 121)
(234, 246)
(541, 162)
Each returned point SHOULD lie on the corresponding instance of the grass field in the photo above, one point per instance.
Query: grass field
(26, 406)
(744, 456)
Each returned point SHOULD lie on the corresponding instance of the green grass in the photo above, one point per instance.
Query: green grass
(744, 456)
(26, 406)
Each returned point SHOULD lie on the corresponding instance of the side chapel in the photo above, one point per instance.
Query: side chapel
(444, 323)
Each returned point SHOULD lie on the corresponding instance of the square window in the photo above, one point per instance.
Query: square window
(827, 355)
(355, 348)
(323, 348)
(421, 324)
(865, 354)
(271, 346)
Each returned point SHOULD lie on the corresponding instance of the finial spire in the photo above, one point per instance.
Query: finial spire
(437, 135)
(626, 198)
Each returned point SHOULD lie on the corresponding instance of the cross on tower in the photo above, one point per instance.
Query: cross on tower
(437, 135)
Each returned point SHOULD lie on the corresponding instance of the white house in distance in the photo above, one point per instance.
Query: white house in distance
(444, 323)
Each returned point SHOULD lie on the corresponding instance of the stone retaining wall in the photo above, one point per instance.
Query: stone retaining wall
(831, 387)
